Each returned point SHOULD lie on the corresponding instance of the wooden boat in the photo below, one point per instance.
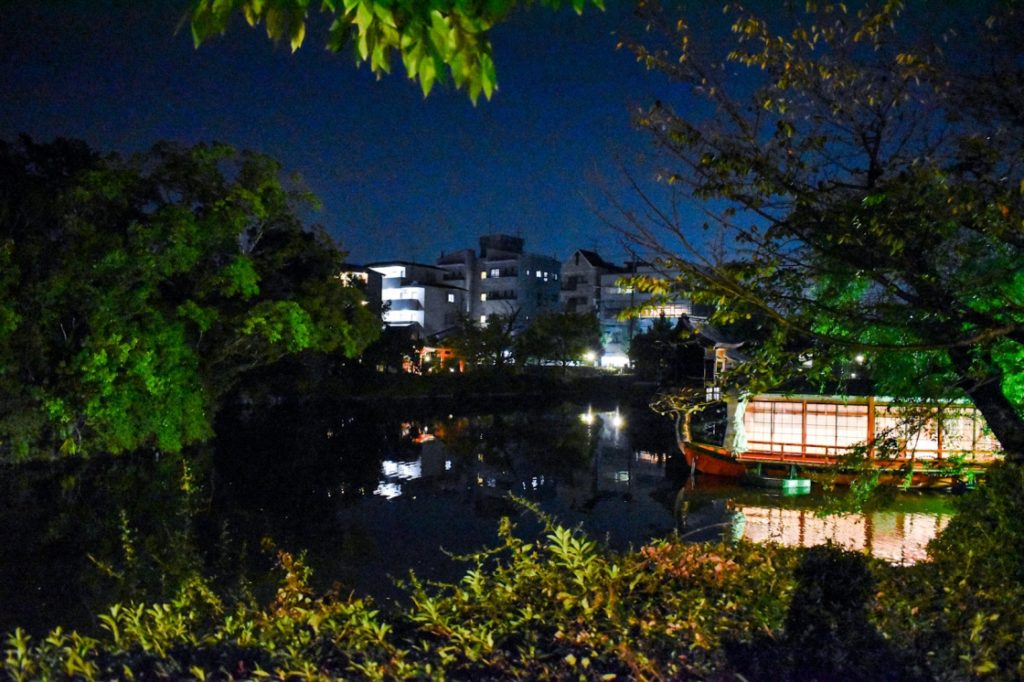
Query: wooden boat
(905, 443)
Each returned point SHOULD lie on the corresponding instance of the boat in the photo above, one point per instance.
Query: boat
(838, 439)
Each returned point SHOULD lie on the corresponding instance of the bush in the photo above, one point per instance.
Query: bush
(962, 613)
(564, 607)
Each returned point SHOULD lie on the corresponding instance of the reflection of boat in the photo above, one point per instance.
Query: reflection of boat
(791, 485)
(895, 536)
(925, 446)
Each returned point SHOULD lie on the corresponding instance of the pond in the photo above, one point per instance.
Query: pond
(371, 495)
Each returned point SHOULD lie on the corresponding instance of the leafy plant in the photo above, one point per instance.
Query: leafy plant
(561, 606)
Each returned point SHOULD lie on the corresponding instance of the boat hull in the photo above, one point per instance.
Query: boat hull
(714, 460)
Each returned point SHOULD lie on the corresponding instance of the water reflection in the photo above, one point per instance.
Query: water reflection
(899, 537)
(710, 507)
(370, 495)
(429, 486)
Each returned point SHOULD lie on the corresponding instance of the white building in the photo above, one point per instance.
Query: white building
(417, 296)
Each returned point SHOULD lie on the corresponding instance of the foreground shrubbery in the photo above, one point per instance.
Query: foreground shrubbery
(563, 607)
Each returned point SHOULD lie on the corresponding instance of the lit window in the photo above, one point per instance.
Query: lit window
(483, 274)
(483, 297)
(483, 319)
(451, 298)
(538, 274)
(495, 273)
(527, 273)
(556, 276)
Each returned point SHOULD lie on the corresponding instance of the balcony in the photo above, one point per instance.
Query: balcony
(405, 304)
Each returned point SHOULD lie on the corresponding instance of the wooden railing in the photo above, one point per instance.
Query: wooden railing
(818, 429)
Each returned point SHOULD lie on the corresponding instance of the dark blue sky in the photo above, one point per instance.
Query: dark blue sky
(400, 176)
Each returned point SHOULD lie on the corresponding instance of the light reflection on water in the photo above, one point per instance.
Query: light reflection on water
(900, 537)
(369, 497)
(711, 507)
(601, 470)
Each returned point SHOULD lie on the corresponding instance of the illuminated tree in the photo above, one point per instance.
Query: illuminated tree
(865, 173)
(137, 292)
(432, 39)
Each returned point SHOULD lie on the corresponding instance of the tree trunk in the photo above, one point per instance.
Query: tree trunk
(1000, 414)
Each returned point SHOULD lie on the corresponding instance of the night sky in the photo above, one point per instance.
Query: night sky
(400, 176)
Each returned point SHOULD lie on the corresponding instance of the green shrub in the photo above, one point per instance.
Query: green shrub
(563, 607)
(962, 613)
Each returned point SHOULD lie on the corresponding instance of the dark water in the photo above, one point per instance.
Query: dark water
(370, 495)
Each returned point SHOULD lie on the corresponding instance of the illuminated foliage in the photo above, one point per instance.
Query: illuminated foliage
(561, 606)
(433, 40)
(137, 291)
(863, 168)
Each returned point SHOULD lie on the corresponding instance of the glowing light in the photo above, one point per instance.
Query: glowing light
(859, 358)
(617, 421)
(587, 417)
(615, 360)
(589, 356)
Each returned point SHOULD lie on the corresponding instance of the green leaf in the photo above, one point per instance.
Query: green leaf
(427, 73)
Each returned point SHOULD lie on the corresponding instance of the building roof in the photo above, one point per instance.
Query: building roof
(595, 259)
(390, 263)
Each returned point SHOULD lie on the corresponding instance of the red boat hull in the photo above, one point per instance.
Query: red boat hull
(711, 460)
(714, 460)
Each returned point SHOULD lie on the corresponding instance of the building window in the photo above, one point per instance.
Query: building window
(451, 298)
(495, 273)
(538, 274)
(483, 274)
(483, 297)
(527, 273)
(483, 319)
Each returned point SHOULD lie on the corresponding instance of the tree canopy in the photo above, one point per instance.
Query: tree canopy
(561, 337)
(866, 171)
(134, 293)
(434, 40)
(488, 344)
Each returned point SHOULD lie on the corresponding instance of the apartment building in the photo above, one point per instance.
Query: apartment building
(418, 296)
(503, 279)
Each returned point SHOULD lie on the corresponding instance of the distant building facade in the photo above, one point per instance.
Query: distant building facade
(416, 295)
(502, 279)
(581, 281)
(621, 322)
